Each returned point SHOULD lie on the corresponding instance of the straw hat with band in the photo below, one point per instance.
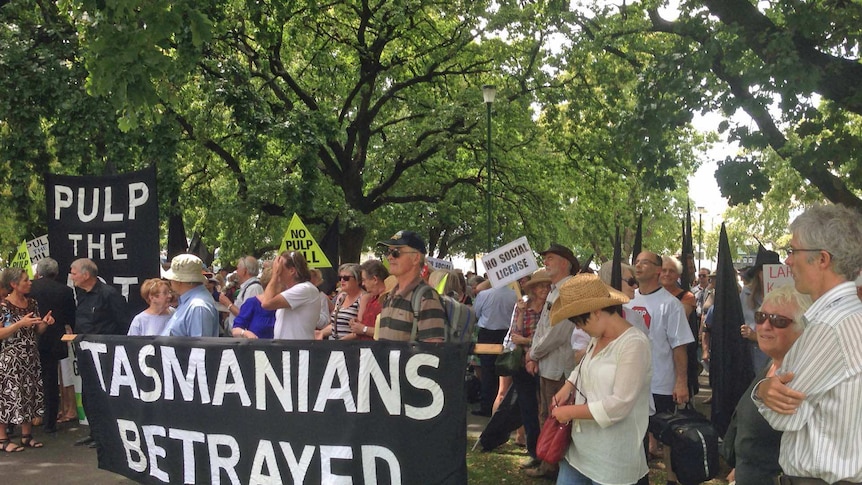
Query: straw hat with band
(539, 276)
(582, 294)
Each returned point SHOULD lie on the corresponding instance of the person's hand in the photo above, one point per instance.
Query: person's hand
(561, 397)
(224, 300)
(561, 414)
(519, 339)
(356, 326)
(745, 331)
(532, 367)
(277, 267)
(48, 319)
(28, 320)
(680, 393)
(521, 305)
(249, 334)
(777, 396)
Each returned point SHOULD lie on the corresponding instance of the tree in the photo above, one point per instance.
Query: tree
(793, 67)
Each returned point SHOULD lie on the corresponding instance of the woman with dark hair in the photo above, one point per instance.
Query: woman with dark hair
(374, 276)
(21, 395)
(293, 296)
(610, 387)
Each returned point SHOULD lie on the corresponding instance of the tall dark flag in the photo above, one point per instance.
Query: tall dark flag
(616, 267)
(730, 366)
(638, 243)
(329, 245)
(687, 251)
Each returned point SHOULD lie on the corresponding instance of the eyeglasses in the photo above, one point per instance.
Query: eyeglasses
(777, 321)
(790, 251)
(397, 252)
(631, 282)
(345, 277)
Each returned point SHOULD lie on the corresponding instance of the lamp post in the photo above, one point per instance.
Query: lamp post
(489, 92)
(700, 211)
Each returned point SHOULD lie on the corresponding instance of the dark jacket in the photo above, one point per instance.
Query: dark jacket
(101, 311)
(59, 299)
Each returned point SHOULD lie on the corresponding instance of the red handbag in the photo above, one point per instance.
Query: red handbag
(555, 437)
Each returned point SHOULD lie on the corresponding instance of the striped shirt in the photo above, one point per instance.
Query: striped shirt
(824, 438)
(396, 317)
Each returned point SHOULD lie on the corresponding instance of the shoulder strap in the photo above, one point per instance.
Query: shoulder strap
(416, 303)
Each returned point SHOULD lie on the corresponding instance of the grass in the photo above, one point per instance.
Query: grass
(501, 466)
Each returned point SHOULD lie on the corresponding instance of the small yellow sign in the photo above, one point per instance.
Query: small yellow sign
(22, 259)
(297, 238)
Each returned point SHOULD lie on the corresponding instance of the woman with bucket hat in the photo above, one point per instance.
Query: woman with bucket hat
(610, 387)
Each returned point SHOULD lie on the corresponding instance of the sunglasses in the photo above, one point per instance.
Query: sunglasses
(345, 277)
(777, 321)
(631, 282)
(397, 252)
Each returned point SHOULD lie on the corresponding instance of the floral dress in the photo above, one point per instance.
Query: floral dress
(21, 395)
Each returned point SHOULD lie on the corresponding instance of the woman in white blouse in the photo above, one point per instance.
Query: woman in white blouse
(610, 386)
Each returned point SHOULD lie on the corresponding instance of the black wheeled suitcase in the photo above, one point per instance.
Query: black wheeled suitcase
(693, 444)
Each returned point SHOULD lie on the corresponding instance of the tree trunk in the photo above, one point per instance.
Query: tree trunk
(352, 241)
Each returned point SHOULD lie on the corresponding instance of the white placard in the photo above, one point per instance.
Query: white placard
(775, 275)
(38, 249)
(510, 263)
(439, 263)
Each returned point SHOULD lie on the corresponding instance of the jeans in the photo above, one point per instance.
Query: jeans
(568, 475)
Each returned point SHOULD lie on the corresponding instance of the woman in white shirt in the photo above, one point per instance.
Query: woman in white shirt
(610, 386)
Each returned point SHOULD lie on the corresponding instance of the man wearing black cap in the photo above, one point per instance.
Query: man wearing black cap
(551, 354)
(405, 252)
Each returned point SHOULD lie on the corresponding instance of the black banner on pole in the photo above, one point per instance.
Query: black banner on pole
(208, 410)
(113, 220)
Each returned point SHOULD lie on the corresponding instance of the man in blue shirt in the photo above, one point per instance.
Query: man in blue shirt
(196, 315)
(494, 308)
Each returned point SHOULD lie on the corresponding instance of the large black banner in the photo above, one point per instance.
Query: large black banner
(113, 220)
(208, 410)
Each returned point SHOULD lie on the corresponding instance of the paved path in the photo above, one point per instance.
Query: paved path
(59, 462)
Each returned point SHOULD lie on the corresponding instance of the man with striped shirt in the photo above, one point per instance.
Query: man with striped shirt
(405, 252)
(814, 398)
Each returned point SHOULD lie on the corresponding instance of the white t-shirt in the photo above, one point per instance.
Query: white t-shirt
(298, 321)
(665, 319)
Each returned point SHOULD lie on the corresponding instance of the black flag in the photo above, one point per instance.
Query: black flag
(687, 252)
(730, 367)
(329, 245)
(636, 246)
(616, 268)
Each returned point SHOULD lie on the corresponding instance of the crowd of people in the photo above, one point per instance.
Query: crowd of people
(600, 358)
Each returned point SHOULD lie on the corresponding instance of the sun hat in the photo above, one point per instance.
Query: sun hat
(406, 238)
(539, 276)
(764, 256)
(186, 268)
(584, 293)
(564, 253)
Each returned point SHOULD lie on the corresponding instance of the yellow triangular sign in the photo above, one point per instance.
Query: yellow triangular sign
(22, 259)
(297, 238)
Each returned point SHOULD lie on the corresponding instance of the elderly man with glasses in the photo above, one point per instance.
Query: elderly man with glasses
(405, 252)
(814, 396)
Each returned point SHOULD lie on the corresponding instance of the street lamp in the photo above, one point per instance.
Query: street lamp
(489, 92)
(700, 212)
